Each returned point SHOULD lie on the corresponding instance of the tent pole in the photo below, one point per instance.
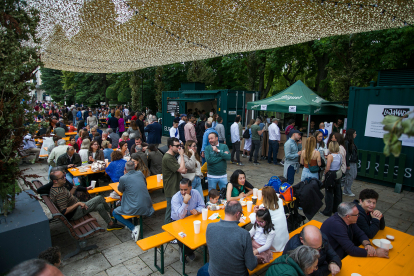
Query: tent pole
(309, 120)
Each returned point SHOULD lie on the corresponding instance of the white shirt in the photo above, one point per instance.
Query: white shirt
(126, 112)
(173, 132)
(234, 132)
(274, 132)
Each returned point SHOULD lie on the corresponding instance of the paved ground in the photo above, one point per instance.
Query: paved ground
(117, 254)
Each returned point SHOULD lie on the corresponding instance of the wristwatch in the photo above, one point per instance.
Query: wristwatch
(218, 150)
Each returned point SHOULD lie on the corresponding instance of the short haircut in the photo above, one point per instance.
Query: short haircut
(52, 255)
(305, 256)
(185, 181)
(116, 155)
(152, 147)
(233, 207)
(57, 169)
(213, 193)
(213, 133)
(56, 138)
(110, 130)
(368, 194)
(208, 124)
(345, 208)
(219, 119)
(170, 141)
(202, 117)
(258, 119)
(237, 119)
(129, 166)
(69, 148)
(31, 267)
(291, 121)
(61, 142)
(176, 121)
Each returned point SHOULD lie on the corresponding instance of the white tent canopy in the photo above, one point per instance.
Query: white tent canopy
(104, 36)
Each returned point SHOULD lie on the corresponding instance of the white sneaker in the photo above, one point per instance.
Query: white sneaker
(135, 233)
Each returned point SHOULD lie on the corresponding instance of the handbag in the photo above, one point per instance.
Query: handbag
(313, 169)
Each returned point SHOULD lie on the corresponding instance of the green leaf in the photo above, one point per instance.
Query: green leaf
(396, 149)
(390, 120)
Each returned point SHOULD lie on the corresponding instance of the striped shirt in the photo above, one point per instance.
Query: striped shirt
(62, 198)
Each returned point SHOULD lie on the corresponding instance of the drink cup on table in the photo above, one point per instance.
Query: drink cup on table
(384, 243)
(254, 199)
(197, 226)
(259, 194)
(204, 213)
(249, 206)
(93, 184)
(255, 191)
(159, 177)
(106, 162)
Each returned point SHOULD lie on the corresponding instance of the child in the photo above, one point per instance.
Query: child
(52, 255)
(71, 127)
(214, 196)
(262, 234)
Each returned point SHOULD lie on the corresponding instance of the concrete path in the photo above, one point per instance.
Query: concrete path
(118, 255)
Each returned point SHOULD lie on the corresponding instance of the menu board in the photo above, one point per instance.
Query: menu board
(173, 107)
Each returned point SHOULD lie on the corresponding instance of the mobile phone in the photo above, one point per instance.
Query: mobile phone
(76, 181)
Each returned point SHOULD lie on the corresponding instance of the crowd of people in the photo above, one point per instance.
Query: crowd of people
(197, 153)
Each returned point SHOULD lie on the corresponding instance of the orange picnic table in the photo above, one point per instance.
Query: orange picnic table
(195, 241)
(71, 133)
(152, 184)
(76, 172)
(400, 262)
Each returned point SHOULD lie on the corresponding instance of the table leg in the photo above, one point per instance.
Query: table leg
(184, 260)
(205, 254)
(141, 228)
(161, 267)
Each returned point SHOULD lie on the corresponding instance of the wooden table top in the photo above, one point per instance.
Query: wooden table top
(76, 172)
(152, 183)
(186, 225)
(71, 133)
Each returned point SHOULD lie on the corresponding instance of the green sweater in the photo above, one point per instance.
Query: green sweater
(216, 161)
(286, 266)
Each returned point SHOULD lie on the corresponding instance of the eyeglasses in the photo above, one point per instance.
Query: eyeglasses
(320, 248)
(357, 215)
(194, 146)
(63, 177)
(178, 146)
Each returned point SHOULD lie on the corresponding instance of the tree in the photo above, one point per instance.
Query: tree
(134, 84)
(159, 86)
(200, 72)
(17, 63)
(52, 83)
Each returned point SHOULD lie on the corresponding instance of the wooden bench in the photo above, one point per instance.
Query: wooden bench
(369, 162)
(79, 229)
(156, 241)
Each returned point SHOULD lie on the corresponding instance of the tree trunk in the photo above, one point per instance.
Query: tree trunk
(322, 61)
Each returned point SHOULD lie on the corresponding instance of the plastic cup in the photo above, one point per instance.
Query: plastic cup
(255, 191)
(93, 183)
(259, 194)
(204, 213)
(249, 206)
(197, 226)
(384, 243)
(254, 199)
(106, 162)
(159, 177)
(326, 151)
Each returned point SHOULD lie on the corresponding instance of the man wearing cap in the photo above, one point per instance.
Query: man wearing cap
(30, 148)
(274, 138)
(292, 153)
(183, 119)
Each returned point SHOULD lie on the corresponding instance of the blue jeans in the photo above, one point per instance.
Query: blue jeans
(273, 148)
(119, 218)
(291, 175)
(212, 183)
(203, 271)
(196, 183)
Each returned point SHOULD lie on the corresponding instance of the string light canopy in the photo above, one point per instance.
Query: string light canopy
(108, 36)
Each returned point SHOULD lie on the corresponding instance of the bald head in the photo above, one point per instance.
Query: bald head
(311, 236)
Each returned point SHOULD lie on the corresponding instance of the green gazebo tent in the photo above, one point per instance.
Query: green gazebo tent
(297, 98)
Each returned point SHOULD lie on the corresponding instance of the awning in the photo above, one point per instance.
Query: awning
(199, 92)
(194, 99)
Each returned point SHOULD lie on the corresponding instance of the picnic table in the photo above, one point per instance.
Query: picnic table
(76, 172)
(152, 184)
(195, 241)
(71, 133)
(400, 262)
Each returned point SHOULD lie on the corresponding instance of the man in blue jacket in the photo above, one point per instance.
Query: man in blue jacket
(154, 130)
(328, 262)
(370, 221)
(345, 236)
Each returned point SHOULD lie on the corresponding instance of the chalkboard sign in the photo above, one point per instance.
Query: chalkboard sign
(173, 107)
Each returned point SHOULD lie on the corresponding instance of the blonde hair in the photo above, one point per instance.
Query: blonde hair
(309, 148)
(333, 147)
(270, 200)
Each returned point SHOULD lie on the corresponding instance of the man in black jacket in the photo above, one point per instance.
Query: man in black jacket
(200, 129)
(328, 262)
(370, 220)
(69, 160)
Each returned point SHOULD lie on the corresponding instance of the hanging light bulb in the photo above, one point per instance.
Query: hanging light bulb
(382, 12)
(361, 7)
(321, 2)
(393, 19)
(336, 4)
(349, 6)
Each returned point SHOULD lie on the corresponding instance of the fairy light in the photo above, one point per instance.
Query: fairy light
(126, 35)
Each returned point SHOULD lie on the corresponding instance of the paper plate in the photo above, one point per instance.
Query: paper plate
(377, 243)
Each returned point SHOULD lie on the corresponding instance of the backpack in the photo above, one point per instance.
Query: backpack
(275, 183)
(246, 134)
(223, 193)
(286, 192)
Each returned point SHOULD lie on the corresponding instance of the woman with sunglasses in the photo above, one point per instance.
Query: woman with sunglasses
(193, 165)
